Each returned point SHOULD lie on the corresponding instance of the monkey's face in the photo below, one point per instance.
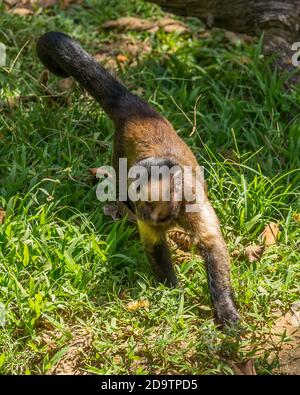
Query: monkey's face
(161, 209)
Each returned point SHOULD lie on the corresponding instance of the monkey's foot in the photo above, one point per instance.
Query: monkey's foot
(228, 318)
(225, 310)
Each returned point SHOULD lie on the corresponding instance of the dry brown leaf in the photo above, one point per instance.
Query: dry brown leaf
(128, 23)
(22, 11)
(270, 234)
(122, 58)
(172, 25)
(139, 24)
(174, 28)
(137, 304)
(11, 3)
(254, 252)
(245, 368)
(26, 7)
(2, 215)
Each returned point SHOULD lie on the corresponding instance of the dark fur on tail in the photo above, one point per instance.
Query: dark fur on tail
(64, 57)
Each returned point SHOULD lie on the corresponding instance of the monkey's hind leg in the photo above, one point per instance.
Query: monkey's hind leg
(157, 251)
(210, 243)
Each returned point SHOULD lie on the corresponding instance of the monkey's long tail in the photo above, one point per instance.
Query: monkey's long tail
(65, 57)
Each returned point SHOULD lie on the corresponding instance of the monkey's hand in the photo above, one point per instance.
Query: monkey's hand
(157, 251)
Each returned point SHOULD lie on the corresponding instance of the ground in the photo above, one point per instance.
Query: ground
(77, 293)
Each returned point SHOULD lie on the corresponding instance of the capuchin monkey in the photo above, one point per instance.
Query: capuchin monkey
(147, 139)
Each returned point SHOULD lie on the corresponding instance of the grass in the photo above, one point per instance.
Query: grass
(64, 265)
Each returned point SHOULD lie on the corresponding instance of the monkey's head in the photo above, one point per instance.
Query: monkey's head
(158, 203)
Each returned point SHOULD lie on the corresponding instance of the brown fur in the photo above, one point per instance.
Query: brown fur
(142, 134)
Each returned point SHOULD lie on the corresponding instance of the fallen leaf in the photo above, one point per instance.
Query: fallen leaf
(2, 215)
(254, 252)
(139, 24)
(22, 11)
(245, 368)
(11, 3)
(270, 234)
(26, 7)
(172, 25)
(137, 304)
(122, 58)
(128, 23)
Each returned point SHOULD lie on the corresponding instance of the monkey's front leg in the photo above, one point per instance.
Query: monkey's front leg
(157, 251)
(204, 226)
